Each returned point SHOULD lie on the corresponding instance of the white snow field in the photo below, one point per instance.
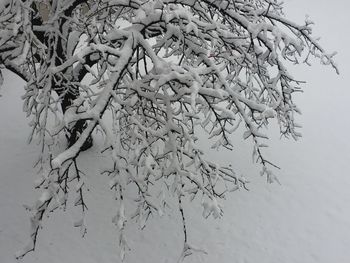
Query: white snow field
(306, 219)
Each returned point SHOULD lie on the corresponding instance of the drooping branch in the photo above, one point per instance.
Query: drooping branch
(149, 75)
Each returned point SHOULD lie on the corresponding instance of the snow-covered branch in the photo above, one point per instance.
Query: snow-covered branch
(149, 75)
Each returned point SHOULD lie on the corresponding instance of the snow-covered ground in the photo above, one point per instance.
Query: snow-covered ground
(306, 219)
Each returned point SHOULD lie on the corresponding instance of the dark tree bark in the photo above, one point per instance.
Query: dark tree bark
(67, 96)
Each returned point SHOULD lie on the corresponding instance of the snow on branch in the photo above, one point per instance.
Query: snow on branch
(149, 75)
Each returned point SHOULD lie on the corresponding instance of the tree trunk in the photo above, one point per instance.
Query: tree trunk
(72, 134)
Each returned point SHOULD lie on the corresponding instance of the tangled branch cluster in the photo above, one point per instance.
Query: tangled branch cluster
(161, 69)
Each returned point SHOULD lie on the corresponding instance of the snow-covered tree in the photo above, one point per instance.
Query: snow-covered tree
(149, 75)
